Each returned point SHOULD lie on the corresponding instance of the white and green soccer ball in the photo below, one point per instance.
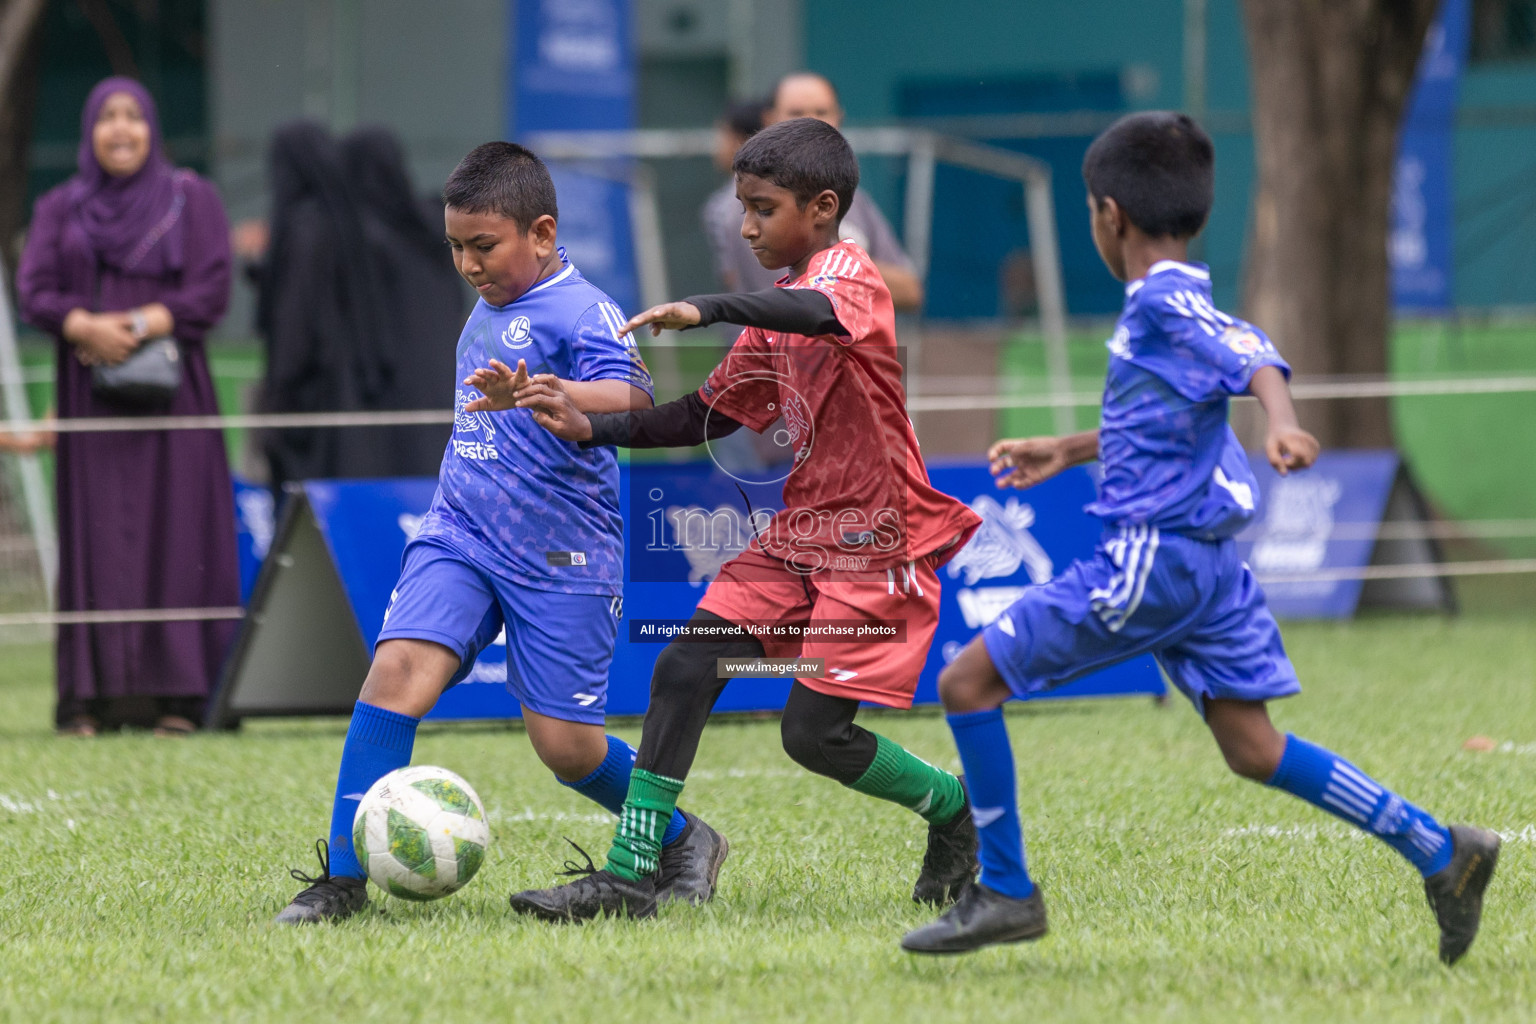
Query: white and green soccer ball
(420, 833)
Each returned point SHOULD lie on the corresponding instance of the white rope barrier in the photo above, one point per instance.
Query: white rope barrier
(248, 369)
(1302, 390)
(1326, 390)
(1503, 567)
(1459, 529)
(234, 421)
(105, 618)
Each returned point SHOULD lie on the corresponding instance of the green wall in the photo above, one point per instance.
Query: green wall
(869, 50)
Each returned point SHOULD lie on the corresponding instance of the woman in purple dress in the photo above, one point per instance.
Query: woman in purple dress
(133, 248)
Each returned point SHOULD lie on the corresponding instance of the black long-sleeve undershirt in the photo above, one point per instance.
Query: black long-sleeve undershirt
(791, 310)
(689, 420)
(681, 423)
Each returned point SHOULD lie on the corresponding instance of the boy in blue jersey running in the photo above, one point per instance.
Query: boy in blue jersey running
(524, 534)
(1166, 578)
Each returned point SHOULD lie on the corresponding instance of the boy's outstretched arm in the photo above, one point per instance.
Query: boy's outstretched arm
(681, 423)
(1286, 445)
(498, 385)
(1026, 461)
(791, 310)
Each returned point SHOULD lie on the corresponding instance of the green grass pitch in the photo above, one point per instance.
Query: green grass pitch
(141, 874)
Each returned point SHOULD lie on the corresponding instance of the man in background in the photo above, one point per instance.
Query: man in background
(722, 210)
(801, 94)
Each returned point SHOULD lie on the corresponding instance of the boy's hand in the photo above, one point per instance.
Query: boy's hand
(1024, 462)
(497, 385)
(1286, 445)
(669, 316)
(553, 409)
(1290, 448)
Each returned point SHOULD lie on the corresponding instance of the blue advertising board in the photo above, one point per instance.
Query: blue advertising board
(573, 69)
(1422, 196)
(255, 522)
(321, 599)
(685, 521)
(1326, 517)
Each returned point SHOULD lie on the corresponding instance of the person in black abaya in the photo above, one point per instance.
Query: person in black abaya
(319, 314)
(423, 300)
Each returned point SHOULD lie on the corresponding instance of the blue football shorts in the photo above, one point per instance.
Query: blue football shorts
(559, 646)
(1192, 604)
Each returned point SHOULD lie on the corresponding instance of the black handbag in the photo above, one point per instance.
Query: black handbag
(146, 379)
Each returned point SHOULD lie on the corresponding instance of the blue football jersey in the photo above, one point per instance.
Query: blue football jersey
(1169, 459)
(511, 496)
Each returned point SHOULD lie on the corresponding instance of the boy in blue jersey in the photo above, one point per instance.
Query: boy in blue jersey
(1166, 578)
(524, 534)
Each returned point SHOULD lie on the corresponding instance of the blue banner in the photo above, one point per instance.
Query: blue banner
(254, 526)
(1324, 518)
(573, 69)
(684, 522)
(1419, 244)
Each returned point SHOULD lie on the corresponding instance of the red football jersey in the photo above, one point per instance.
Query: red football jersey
(858, 497)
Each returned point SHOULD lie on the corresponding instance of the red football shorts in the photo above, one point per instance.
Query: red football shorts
(756, 588)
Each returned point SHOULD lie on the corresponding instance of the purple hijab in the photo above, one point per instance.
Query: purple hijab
(132, 223)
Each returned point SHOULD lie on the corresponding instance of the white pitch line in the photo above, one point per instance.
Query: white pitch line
(1521, 834)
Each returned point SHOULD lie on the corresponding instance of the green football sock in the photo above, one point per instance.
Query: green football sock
(904, 778)
(636, 848)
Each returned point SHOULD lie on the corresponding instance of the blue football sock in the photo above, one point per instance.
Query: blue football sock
(987, 757)
(608, 785)
(1331, 783)
(378, 742)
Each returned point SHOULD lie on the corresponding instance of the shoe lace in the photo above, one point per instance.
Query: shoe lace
(943, 845)
(573, 869)
(323, 852)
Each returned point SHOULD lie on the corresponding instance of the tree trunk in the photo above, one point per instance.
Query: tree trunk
(1330, 81)
(20, 43)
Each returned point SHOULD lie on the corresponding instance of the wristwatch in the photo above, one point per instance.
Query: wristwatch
(139, 324)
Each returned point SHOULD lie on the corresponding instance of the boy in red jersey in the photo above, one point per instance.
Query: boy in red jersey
(857, 543)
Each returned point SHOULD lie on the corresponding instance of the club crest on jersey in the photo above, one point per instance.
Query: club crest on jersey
(518, 333)
(1120, 342)
(1244, 341)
